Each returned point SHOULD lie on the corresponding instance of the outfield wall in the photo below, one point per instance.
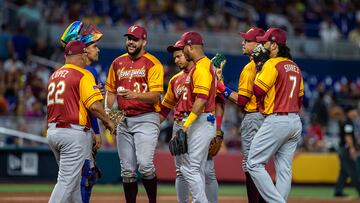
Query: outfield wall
(39, 165)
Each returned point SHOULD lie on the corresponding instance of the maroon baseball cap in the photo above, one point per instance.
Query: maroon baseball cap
(251, 34)
(175, 47)
(273, 34)
(137, 31)
(74, 47)
(190, 38)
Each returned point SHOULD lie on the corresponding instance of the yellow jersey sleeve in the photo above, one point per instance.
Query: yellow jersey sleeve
(110, 82)
(267, 76)
(301, 92)
(89, 93)
(246, 81)
(156, 78)
(169, 100)
(202, 77)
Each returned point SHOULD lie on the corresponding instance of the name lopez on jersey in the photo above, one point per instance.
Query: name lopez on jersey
(59, 73)
(132, 73)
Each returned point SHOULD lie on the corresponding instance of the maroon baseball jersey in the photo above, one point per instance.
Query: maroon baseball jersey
(181, 94)
(178, 95)
(71, 91)
(145, 74)
(282, 81)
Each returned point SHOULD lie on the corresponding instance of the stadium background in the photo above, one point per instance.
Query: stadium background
(323, 35)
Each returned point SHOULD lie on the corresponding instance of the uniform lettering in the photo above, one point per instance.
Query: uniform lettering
(180, 90)
(291, 68)
(122, 73)
(59, 73)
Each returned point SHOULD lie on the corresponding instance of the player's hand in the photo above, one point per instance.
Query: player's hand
(127, 94)
(222, 64)
(219, 74)
(110, 125)
(97, 141)
(185, 129)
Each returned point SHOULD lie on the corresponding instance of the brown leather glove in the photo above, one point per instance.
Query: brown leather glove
(216, 143)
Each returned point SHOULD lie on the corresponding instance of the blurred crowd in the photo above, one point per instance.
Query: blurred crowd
(23, 82)
(327, 19)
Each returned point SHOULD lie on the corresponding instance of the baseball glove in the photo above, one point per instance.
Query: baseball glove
(260, 55)
(178, 144)
(96, 169)
(219, 62)
(116, 116)
(216, 143)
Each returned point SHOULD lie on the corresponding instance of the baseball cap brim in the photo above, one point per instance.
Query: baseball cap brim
(127, 34)
(179, 45)
(246, 36)
(172, 49)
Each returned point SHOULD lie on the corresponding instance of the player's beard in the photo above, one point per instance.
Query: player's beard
(135, 52)
(182, 67)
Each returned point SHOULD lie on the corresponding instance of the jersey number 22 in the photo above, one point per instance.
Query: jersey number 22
(54, 93)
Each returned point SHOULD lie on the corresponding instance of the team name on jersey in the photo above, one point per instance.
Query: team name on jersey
(180, 90)
(123, 73)
(59, 73)
(291, 67)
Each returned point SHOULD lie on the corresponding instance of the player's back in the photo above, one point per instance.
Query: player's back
(287, 87)
(63, 100)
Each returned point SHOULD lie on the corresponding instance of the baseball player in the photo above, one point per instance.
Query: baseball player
(196, 114)
(135, 79)
(71, 94)
(279, 89)
(245, 100)
(88, 34)
(177, 99)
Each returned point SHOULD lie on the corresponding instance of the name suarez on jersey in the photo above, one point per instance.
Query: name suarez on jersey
(291, 67)
(123, 73)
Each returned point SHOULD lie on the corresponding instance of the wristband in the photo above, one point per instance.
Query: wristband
(190, 119)
(227, 92)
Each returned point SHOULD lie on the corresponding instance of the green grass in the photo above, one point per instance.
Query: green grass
(321, 192)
